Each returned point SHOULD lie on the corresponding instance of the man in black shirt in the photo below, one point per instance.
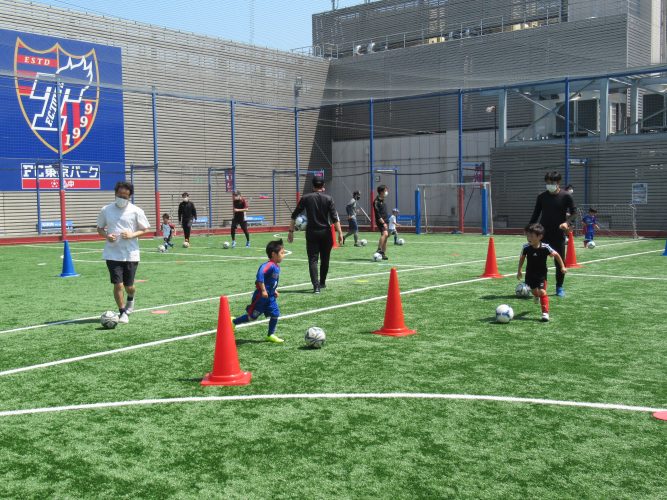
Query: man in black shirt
(320, 213)
(382, 219)
(240, 208)
(556, 207)
(187, 214)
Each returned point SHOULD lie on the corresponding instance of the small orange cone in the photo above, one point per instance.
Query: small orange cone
(333, 236)
(491, 269)
(226, 369)
(394, 324)
(571, 254)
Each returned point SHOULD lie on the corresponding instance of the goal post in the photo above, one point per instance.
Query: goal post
(614, 219)
(454, 207)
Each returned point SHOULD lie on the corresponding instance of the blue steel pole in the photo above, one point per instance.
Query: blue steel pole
(296, 157)
(371, 160)
(418, 212)
(460, 190)
(155, 160)
(39, 201)
(233, 139)
(567, 131)
(132, 182)
(210, 201)
(485, 215)
(61, 173)
(396, 186)
(273, 192)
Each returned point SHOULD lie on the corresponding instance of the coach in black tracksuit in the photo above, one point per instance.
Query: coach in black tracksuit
(320, 213)
(556, 206)
(187, 214)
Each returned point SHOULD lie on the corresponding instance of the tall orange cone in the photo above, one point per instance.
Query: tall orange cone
(394, 324)
(226, 369)
(333, 236)
(571, 254)
(491, 269)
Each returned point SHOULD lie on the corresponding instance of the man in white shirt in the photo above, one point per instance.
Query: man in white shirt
(121, 223)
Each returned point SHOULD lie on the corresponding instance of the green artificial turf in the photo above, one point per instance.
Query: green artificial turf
(605, 344)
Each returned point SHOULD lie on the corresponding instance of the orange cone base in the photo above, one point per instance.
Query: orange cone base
(240, 378)
(395, 332)
(574, 266)
(660, 415)
(492, 275)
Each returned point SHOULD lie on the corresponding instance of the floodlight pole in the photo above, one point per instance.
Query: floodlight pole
(61, 174)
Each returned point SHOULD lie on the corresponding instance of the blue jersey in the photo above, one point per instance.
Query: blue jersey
(589, 222)
(269, 274)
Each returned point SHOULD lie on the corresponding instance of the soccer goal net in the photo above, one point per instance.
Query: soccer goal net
(455, 207)
(613, 219)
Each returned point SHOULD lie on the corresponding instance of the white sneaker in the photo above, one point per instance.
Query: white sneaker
(124, 318)
(129, 306)
(233, 244)
(545, 316)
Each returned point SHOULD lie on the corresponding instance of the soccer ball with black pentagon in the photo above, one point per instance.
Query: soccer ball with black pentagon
(109, 320)
(315, 337)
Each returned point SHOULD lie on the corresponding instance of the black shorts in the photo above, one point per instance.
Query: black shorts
(536, 282)
(122, 272)
(382, 229)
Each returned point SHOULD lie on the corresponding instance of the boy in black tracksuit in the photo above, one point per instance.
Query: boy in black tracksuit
(187, 214)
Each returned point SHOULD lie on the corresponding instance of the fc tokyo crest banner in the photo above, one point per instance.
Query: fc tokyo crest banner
(86, 122)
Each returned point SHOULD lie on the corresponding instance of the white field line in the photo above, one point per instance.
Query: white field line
(329, 396)
(208, 332)
(208, 299)
(612, 276)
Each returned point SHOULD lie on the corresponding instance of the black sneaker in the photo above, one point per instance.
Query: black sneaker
(384, 257)
(322, 285)
(316, 289)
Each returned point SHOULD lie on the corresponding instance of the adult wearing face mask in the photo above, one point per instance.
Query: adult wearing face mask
(555, 206)
(187, 214)
(321, 213)
(121, 223)
(382, 219)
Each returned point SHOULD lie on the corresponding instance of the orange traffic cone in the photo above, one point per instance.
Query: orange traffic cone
(333, 236)
(226, 369)
(491, 270)
(394, 324)
(571, 254)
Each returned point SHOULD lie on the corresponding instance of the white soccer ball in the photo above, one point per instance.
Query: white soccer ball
(400, 241)
(522, 291)
(300, 223)
(591, 245)
(109, 320)
(315, 337)
(377, 257)
(186, 244)
(504, 313)
(225, 244)
(363, 243)
(161, 249)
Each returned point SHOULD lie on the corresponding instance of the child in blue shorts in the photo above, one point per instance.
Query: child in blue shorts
(590, 225)
(266, 292)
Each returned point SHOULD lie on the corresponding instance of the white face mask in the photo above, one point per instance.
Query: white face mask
(386, 193)
(121, 202)
(186, 199)
(552, 188)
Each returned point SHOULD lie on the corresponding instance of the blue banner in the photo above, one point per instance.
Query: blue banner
(91, 125)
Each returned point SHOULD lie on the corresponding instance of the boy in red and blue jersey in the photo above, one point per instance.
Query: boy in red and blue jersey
(266, 292)
(536, 253)
(590, 225)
